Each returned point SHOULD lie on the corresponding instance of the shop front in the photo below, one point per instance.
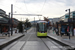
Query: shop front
(66, 28)
(4, 28)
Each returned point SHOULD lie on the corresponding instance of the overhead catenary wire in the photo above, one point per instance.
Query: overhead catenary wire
(20, 9)
(25, 5)
(42, 9)
(16, 9)
(43, 6)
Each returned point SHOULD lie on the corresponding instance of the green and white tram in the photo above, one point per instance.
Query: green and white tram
(41, 28)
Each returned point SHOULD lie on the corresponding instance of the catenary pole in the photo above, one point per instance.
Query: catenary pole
(11, 19)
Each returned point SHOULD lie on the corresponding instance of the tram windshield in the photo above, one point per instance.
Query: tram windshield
(42, 27)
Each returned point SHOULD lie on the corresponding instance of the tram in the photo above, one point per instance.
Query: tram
(42, 29)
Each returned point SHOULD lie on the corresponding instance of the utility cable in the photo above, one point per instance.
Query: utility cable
(42, 8)
(20, 9)
(25, 5)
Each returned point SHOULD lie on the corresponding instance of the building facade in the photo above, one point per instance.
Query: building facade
(67, 22)
(5, 21)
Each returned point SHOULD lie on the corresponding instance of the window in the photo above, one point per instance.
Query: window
(73, 16)
(42, 27)
(1, 17)
(66, 16)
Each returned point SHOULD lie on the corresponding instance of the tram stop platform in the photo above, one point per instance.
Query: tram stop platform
(63, 40)
(5, 40)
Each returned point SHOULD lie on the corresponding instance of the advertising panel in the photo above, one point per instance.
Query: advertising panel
(74, 31)
(63, 28)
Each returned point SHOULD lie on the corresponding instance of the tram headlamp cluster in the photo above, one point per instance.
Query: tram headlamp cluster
(43, 23)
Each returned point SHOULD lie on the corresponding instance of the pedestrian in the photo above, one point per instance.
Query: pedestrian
(56, 30)
(53, 30)
(16, 31)
(67, 30)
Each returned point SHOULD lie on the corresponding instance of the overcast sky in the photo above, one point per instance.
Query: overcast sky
(48, 8)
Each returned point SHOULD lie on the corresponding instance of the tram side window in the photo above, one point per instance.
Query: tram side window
(37, 27)
(0, 30)
(41, 27)
(45, 27)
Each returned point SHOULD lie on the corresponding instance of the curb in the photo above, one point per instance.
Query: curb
(62, 43)
(9, 42)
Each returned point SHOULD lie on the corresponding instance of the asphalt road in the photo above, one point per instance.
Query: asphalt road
(31, 42)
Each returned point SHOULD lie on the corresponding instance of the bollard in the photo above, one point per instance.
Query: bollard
(69, 35)
(8, 34)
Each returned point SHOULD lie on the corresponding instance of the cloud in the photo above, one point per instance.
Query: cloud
(30, 1)
(51, 8)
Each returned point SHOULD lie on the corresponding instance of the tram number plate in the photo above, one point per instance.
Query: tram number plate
(42, 32)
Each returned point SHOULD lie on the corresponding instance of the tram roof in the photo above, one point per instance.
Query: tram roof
(42, 21)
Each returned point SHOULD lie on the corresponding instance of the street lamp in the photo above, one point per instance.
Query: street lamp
(69, 12)
(68, 20)
(9, 26)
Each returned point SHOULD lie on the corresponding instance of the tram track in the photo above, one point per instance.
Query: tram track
(51, 41)
(31, 41)
(42, 39)
(12, 45)
(25, 43)
(16, 42)
(54, 43)
(45, 44)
